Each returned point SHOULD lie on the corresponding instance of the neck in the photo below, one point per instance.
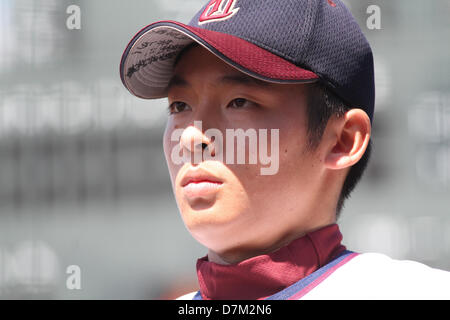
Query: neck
(261, 276)
(236, 255)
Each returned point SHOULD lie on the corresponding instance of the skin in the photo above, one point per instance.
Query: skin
(254, 214)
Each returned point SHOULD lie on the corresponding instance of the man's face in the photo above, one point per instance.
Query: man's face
(228, 206)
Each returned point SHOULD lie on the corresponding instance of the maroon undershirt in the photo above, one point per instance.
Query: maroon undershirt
(262, 276)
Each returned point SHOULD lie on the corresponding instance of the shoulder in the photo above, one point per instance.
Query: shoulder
(377, 276)
(188, 296)
(382, 266)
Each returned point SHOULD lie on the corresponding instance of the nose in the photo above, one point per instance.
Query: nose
(194, 143)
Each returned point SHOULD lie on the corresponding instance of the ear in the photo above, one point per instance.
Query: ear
(351, 138)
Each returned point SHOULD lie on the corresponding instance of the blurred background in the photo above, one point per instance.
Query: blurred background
(83, 179)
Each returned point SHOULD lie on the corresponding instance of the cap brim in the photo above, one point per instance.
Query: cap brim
(147, 64)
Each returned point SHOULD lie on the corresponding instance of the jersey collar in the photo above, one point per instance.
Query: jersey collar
(262, 276)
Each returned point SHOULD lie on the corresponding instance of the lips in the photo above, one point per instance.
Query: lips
(199, 176)
(200, 183)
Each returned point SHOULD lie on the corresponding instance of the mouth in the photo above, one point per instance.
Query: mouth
(199, 183)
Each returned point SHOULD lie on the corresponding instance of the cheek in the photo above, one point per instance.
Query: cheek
(167, 143)
(287, 185)
(169, 146)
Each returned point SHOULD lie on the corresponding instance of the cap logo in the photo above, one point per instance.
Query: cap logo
(218, 10)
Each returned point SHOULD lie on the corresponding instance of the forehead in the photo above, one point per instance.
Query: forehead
(196, 57)
(197, 61)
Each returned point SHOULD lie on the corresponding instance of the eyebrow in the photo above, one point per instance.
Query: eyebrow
(177, 81)
(237, 79)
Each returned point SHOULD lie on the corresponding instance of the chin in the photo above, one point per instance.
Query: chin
(206, 215)
(213, 226)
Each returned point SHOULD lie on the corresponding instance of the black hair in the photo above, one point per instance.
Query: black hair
(322, 104)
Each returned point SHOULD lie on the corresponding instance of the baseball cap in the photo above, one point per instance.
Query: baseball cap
(279, 41)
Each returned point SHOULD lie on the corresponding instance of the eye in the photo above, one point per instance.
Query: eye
(240, 103)
(178, 106)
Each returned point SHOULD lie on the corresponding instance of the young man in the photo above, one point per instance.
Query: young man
(293, 79)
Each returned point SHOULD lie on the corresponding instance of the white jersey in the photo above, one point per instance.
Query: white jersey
(376, 276)
(366, 276)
